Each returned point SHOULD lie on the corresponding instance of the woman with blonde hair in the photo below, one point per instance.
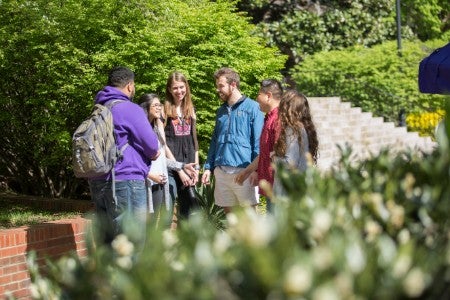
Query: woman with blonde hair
(298, 137)
(181, 136)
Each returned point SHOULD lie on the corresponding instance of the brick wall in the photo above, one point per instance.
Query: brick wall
(48, 240)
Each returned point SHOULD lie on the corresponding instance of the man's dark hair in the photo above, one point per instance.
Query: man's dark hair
(273, 86)
(120, 77)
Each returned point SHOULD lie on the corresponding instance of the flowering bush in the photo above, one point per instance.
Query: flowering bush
(377, 229)
(424, 123)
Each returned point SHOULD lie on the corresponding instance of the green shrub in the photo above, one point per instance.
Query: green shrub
(301, 28)
(55, 55)
(376, 79)
(205, 195)
(377, 229)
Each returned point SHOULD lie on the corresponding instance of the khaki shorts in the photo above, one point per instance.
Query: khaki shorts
(227, 193)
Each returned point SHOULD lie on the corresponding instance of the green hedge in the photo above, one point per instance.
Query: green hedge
(55, 56)
(377, 79)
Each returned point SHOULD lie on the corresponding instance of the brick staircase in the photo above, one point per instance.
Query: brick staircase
(340, 124)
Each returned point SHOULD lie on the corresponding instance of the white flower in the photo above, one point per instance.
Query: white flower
(373, 229)
(408, 184)
(356, 259)
(401, 266)
(322, 258)
(122, 245)
(232, 219)
(429, 240)
(417, 191)
(42, 285)
(321, 222)
(261, 230)
(169, 238)
(403, 236)
(378, 204)
(365, 174)
(35, 294)
(253, 229)
(414, 283)
(203, 254)
(325, 293)
(356, 210)
(71, 264)
(388, 250)
(67, 265)
(222, 242)
(124, 262)
(177, 265)
(344, 285)
(397, 213)
(40, 290)
(310, 202)
(297, 280)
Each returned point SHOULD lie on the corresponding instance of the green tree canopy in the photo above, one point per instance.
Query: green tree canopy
(376, 79)
(300, 28)
(55, 55)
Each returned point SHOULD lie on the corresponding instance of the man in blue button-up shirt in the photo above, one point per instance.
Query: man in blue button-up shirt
(234, 143)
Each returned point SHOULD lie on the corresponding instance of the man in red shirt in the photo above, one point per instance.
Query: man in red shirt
(260, 170)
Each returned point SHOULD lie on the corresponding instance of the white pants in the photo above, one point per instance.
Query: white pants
(227, 193)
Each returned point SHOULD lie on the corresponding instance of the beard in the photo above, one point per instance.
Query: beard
(225, 96)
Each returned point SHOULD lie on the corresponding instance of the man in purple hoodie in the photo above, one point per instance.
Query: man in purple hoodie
(126, 213)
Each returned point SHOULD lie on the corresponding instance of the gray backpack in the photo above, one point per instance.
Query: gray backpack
(94, 150)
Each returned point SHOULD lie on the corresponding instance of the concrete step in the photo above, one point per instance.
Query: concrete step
(338, 123)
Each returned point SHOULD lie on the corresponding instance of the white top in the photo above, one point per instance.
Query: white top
(295, 157)
(160, 166)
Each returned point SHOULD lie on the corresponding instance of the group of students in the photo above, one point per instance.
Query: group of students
(161, 163)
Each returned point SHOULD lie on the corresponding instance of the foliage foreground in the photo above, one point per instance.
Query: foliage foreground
(377, 229)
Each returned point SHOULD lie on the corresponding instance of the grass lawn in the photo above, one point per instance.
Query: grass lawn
(15, 213)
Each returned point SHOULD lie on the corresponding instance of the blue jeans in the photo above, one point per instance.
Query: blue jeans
(125, 214)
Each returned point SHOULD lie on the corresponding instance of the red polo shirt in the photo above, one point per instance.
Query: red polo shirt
(269, 134)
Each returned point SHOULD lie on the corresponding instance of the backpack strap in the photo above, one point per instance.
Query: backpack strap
(110, 104)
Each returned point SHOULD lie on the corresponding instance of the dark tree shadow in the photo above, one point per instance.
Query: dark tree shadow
(50, 241)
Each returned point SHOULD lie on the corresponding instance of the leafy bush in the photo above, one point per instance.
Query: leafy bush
(205, 195)
(334, 25)
(424, 123)
(300, 28)
(54, 57)
(377, 229)
(377, 79)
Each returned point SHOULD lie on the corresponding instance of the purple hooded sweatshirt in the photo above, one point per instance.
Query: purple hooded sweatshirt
(130, 125)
